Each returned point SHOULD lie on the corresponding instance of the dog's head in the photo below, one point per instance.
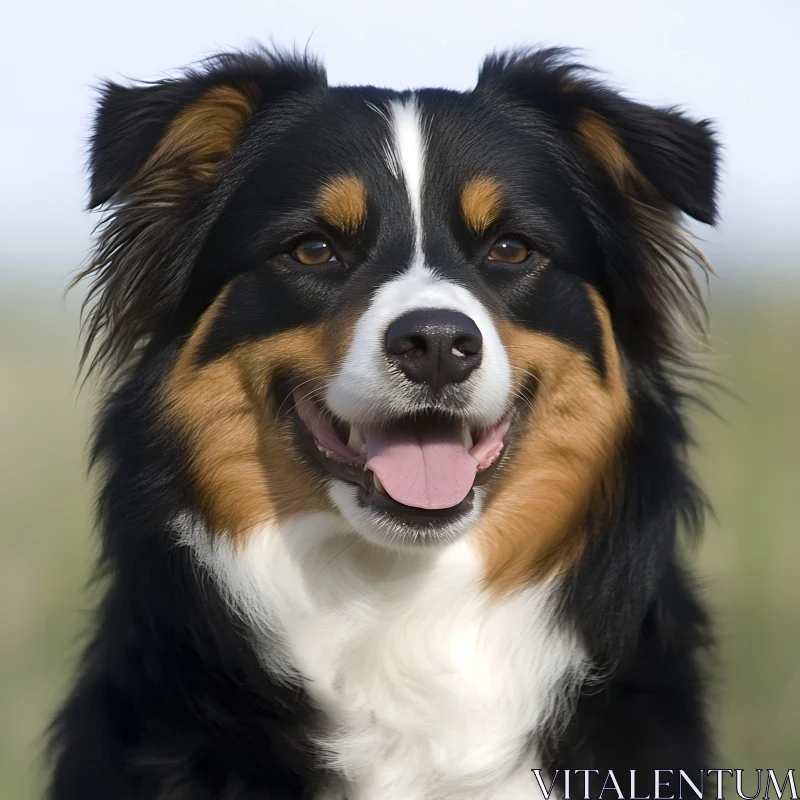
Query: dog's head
(423, 310)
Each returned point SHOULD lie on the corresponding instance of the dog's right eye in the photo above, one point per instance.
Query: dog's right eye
(313, 251)
(509, 250)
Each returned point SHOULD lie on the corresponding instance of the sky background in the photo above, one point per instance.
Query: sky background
(729, 60)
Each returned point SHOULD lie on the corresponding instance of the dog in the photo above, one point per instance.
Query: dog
(394, 443)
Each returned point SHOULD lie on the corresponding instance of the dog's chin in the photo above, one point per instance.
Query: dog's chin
(387, 523)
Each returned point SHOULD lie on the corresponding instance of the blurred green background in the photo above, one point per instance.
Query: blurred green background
(749, 463)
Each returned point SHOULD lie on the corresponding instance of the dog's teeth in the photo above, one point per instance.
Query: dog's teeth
(378, 485)
(356, 439)
(466, 437)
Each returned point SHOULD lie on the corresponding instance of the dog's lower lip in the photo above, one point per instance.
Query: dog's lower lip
(412, 515)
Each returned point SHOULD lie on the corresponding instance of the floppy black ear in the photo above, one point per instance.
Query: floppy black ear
(129, 123)
(660, 152)
(203, 111)
(156, 150)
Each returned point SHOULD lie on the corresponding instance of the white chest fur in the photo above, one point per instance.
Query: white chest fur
(432, 687)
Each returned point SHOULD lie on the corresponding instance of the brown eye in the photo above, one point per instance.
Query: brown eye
(313, 251)
(509, 250)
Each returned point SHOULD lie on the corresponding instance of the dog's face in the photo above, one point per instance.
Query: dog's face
(418, 310)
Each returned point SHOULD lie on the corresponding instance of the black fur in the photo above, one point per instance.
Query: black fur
(170, 701)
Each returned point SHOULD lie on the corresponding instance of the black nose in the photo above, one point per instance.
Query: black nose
(434, 346)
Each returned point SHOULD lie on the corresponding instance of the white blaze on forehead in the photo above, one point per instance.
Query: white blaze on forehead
(408, 151)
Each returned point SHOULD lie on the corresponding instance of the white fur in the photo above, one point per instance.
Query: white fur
(432, 687)
(409, 143)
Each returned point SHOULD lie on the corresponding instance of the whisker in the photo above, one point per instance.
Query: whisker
(341, 552)
(527, 372)
(313, 394)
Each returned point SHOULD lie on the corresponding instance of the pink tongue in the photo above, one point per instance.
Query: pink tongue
(427, 468)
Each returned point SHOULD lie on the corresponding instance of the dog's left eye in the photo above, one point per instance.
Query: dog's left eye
(313, 251)
(509, 250)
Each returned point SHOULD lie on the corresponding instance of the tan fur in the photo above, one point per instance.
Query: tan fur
(562, 462)
(342, 203)
(603, 145)
(481, 203)
(201, 137)
(244, 456)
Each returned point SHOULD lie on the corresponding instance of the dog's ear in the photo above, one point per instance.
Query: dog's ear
(656, 154)
(157, 156)
(179, 130)
(175, 131)
(648, 163)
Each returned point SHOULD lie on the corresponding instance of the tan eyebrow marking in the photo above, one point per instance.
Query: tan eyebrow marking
(342, 202)
(481, 202)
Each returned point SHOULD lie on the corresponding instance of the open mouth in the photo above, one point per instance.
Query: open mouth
(422, 469)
